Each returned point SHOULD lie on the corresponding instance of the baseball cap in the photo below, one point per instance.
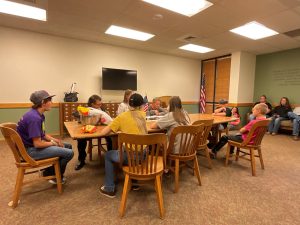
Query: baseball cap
(136, 100)
(223, 101)
(38, 96)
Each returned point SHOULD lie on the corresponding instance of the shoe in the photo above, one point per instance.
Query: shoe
(53, 181)
(274, 133)
(80, 165)
(268, 132)
(296, 138)
(135, 187)
(110, 194)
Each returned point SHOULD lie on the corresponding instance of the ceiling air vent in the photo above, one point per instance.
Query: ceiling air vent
(188, 38)
(293, 33)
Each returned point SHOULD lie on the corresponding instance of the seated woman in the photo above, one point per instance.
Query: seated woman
(130, 122)
(124, 106)
(279, 113)
(234, 124)
(175, 117)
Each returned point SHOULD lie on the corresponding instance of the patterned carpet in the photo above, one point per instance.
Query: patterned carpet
(227, 195)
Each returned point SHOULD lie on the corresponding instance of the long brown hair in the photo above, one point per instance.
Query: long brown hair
(287, 104)
(127, 93)
(179, 114)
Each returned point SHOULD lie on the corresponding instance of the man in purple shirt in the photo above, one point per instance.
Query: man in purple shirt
(38, 144)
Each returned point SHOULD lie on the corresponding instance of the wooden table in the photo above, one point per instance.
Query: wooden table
(74, 128)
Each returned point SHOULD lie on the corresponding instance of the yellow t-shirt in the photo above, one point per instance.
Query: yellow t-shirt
(125, 123)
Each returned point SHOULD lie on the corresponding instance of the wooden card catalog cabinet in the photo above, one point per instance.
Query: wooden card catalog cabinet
(67, 108)
(65, 113)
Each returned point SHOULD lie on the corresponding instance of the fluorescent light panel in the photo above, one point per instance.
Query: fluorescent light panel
(18, 9)
(184, 7)
(254, 30)
(128, 33)
(196, 48)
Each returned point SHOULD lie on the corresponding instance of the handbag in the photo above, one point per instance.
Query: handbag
(72, 95)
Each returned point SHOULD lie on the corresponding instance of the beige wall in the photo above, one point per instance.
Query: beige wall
(30, 61)
(242, 77)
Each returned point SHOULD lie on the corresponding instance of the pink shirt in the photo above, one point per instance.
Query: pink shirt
(248, 128)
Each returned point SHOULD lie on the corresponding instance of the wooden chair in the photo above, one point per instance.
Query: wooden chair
(260, 129)
(25, 162)
(188, 138)
(202, 146)
(220, 132)
(144, 164)
(164, 100)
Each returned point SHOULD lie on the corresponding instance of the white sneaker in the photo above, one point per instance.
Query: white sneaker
(53, 181)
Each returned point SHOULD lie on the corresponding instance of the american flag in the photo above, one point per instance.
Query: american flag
(146, 104)
(202, 95)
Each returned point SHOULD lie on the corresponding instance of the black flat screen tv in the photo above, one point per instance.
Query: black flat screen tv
(119, 79)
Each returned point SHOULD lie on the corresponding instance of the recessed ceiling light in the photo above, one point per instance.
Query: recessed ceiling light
(128, 33)
(184, 7)
(196, 48)
(18, 9)
(254, 30)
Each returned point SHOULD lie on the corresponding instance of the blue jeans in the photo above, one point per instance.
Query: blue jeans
(65, 154)
(112, 157)
(296, 122)
(275, 124)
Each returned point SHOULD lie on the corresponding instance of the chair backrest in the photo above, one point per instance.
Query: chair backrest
(207, 125)
(142, 151)
(15, 143)
(164, 100)
(187, 139)
(259, 129)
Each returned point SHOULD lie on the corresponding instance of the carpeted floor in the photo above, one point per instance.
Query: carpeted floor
(228, 195)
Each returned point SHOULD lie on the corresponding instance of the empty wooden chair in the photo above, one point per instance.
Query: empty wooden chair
(144, 163)
(251, 144)
(188, 139)
(202, 146)
(24, 162)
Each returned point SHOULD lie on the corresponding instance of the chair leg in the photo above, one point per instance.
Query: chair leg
(252, 161)
(176, 175)
(159, 195)
(124, 195)
(58, 177)
(197, 171)
(208, 157)
(227, 154)
(90, 149)
(99, 148)
(261, 158)
(237, 155)
(18, 187)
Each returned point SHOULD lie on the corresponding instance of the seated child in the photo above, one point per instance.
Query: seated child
(234, 124)
(259, 111)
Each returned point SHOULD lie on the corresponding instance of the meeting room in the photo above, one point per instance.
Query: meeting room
(150, 111)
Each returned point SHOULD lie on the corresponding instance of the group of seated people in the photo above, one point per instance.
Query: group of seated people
(279, 113)
(131, 119)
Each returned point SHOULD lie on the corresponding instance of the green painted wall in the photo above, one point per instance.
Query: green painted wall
(191, 108)
(277, 75)
(14, 115)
